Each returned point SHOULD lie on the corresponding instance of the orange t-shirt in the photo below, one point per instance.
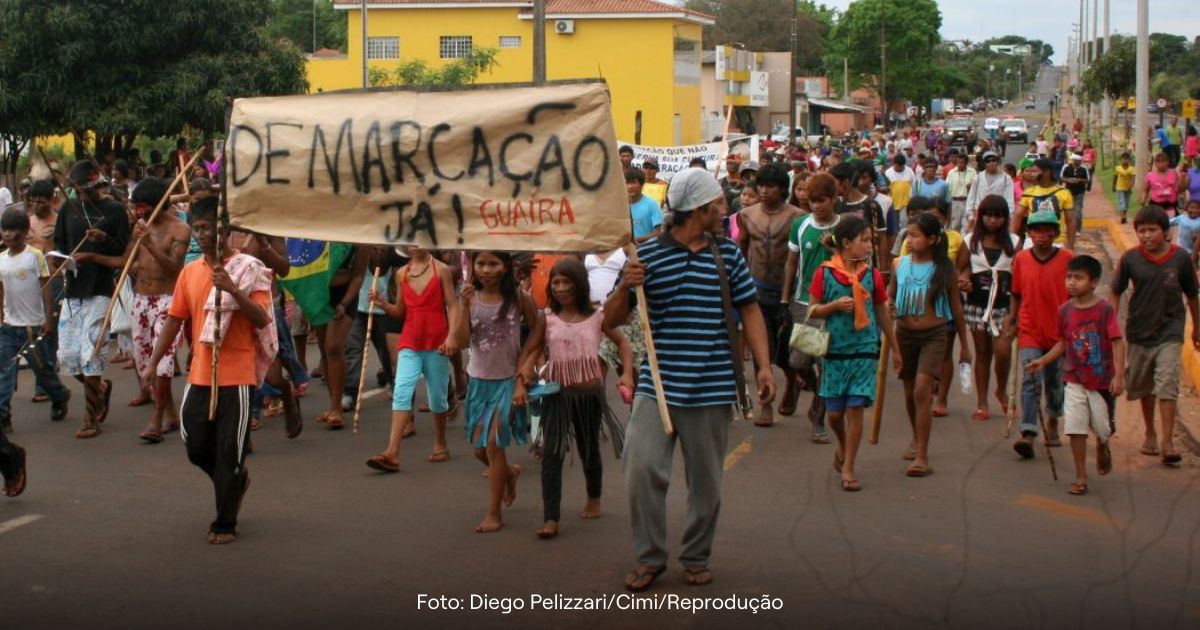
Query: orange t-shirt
(236, 363)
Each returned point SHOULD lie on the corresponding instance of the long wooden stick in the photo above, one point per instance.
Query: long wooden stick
(185, 168)
(1046, 442)
(362, 371)
(880, 391)
(1014, 384)
(651, 355)
(100, 340)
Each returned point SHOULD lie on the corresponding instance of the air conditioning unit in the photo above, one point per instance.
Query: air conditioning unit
(564, 27)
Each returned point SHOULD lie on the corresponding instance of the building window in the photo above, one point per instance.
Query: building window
(687, 62)
(510, 41)
(454, 46)
(383, 48)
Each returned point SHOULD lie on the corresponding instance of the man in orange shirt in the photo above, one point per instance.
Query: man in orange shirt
(218, 445)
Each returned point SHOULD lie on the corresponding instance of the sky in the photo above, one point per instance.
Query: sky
(1051, 20)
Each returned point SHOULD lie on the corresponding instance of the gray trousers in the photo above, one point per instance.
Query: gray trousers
(703, 434)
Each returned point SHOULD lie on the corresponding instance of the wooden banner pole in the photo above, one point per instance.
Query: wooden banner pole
(362, 372)
(651, 355)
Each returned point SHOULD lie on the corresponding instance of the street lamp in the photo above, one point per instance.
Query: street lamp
(314, 20)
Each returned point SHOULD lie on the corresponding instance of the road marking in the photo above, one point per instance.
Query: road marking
(371, 393)
(11, 524)
(1062, 509)
(738, 453)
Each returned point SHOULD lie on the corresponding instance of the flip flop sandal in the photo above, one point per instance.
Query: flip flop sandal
(909, 455)
(851, 485)
(151, 436)
(1172, 458)
(917, 470)
(697, 576)
(17, 485)
(1150, 450)
(335, 422)
(633, 581)
(255, 424)
(88, 431)
(221, 539)
(383, 464)
(108, 387)
(438, 457)
(939, 412)
(1077, 489)
(820, 438)
(40, 398)
(980, 414)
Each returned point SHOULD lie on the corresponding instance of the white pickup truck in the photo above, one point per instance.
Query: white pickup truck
(779, 134)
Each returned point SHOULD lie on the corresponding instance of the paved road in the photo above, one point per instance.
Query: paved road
(111, 533)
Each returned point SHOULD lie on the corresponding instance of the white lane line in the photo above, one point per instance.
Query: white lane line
(11, 524)
(371, 393)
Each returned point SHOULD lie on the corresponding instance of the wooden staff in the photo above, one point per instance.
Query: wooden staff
(880, 391)
(1046, 442)
(216, 349)
(725, 141)
(362, 372)
(129, 263)
(1014, 383)
(183, 169)
(660, 394)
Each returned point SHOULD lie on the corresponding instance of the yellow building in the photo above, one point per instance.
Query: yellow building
(648, 51)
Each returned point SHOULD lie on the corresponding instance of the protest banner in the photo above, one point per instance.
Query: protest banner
(671, 160)
(505, 168)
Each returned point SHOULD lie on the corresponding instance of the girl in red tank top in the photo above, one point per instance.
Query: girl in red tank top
(426, 304)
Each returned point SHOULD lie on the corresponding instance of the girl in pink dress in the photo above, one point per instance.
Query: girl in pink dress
(579, 411)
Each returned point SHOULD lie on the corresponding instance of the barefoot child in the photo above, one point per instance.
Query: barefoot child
(425, 300)
(926, 297)
(851, 298)
(572, 343)
(1164, 292)
(217, 444)
(987, 283)
(1093, 367)
(1038, 290)
(492, 313)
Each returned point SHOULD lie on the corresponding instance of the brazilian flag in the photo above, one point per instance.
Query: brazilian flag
(313, 265)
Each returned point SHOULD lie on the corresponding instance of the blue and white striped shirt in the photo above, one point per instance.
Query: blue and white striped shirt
(683, 294)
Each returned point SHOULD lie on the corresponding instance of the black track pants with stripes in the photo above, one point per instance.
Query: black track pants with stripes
(218, 447)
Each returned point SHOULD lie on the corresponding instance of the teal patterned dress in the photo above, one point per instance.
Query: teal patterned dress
(853, 356)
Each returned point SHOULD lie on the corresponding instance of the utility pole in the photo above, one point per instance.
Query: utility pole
(1106, 113)
(1095, 53)
(539, 41)
(846, 78)
(1141, 139)
(792, 80)
(314, 46)
(363, 12)
(883, 64)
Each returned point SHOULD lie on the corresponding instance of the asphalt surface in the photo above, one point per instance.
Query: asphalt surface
(111, 533)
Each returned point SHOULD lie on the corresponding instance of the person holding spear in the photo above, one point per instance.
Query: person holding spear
(692, 282)
(217, 444)
(89, 226)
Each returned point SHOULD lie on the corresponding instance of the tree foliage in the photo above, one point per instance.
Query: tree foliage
(294, 20)
(912, 36)
(455, 73)
(1174, 69)
(765, 26)
(150, 67)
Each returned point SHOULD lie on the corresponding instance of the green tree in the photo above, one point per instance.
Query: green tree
(151, 67)
(912, 36)
(455, 73)
(296, 20)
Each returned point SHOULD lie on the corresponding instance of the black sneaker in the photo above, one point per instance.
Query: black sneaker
(58, 409)
(1024, 446)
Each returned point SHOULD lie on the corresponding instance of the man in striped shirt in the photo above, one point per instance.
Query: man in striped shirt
(687, 321)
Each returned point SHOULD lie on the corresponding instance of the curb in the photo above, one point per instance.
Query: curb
(1191, 358)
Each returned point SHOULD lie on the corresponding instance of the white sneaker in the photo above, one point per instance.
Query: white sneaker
(347, 403)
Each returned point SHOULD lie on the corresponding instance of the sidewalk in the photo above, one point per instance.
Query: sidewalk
(1100, 212)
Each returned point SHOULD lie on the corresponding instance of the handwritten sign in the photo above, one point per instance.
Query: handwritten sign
(513, 169)
(671, 160)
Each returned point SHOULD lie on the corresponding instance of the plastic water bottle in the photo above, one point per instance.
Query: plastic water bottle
(966, 379)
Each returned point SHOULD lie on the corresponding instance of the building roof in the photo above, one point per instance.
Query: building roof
(555, 9)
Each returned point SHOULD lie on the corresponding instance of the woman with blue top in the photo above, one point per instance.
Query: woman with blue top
(850, 296)
(925, 297)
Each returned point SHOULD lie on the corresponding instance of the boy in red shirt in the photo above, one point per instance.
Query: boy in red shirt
(1038, 290)
(218, 445)
(1094, 367)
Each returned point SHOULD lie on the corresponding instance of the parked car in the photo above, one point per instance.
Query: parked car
(1015, 130)
(963, 109)
(1030, 105)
